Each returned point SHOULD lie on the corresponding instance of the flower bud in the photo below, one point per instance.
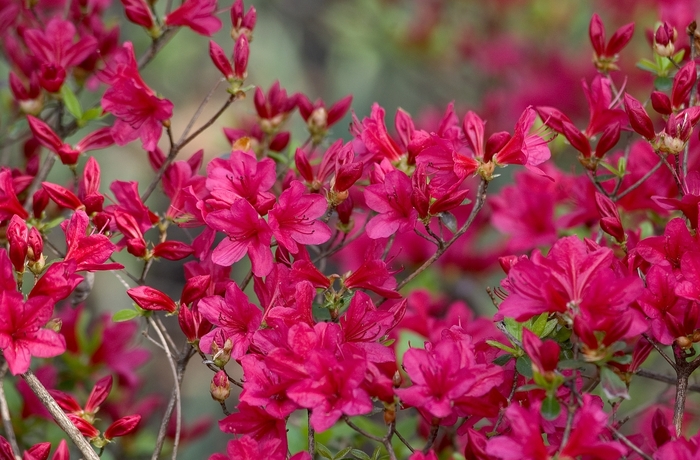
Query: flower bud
(221, 354)
(241, 51)
(661, 103)
(39, 202)
(218, 57)
(220, 387)
(122, 427)
(152, 299)
(17, 237)
(664, 40)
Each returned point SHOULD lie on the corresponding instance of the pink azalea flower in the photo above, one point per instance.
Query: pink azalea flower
(392, 200)
(242, 176)
(140, 113)
(88, 251)
(259, 425)
(235, 315)
(292, 218)
(332, 390)
(443, 373)
(22, 332)
(198, 15)
(247, 233)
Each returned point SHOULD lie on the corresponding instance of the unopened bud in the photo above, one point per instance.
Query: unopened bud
(664, 40)
(221, 356)
(220, 387)
(684, 342)
(55, 325)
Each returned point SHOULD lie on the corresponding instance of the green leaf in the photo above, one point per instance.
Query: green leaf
(71, 102)
(377, 451)
(613, 386)
(550, 408)
(500, 346)
(649, 66)
(342, 453)
(125, 315)
(678, 57)
(524, 366)
(502, 360)
(513, 327)
(571, 364)
(538, 324)
(663, 83)
(357, 453)
(528, 387)
(323, 451)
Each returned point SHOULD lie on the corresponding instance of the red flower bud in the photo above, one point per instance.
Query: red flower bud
(66, 401)
(303, 165)
(139, 13)
(61, 196)
(664, 40)
(44, 134)
(172, 250)
(152, 299)
(51, 77)
(218, 57)
(577, 139)
(35, 245)
(195, 288)
(661, 103)
(192, 323)
(639, 119)
(596, 32)
(280, 141)
(683, 83)
(620, 39)
(122, 427)
(98, 395)
(17, 237)
(220, 387)
(607, 140)
(39, 202)
(241, 51)
(339, 109)
(135, 243)
(610, 218)
(85, 428)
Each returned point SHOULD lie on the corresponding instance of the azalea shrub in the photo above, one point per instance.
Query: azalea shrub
(307, 261)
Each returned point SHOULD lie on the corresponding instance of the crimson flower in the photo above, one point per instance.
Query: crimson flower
(22, 332)
(88, 251)
(332, 390)
(247, 233)
(443, 373)
(96, 140)
(140, 113)
(235, 315)
(259, 425)
(392, 200)
(242, 176)
(198, 15)
(56, 51)
(292, 218)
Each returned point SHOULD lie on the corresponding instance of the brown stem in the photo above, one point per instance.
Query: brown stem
(361, 431)
(59, 416)
(175, 149)
(431, 438)
(639, 182)
(5, 413)
(630, 444)
(647, 374)
(311, 437)
(661, 351)
(480, 200)
(182, 361)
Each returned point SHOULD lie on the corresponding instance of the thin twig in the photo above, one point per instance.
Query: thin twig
(647, 374)
(639, 182)
(178, 398)
(403, 440)
(311, 436)
(480, 200)
(630, 444)
(5, 413)
(196, 115)
(660, 350)
(431, 438)
(59, 416)
(184, 358)
(361, 431)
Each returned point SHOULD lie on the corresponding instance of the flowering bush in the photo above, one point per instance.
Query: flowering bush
(306, 260)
